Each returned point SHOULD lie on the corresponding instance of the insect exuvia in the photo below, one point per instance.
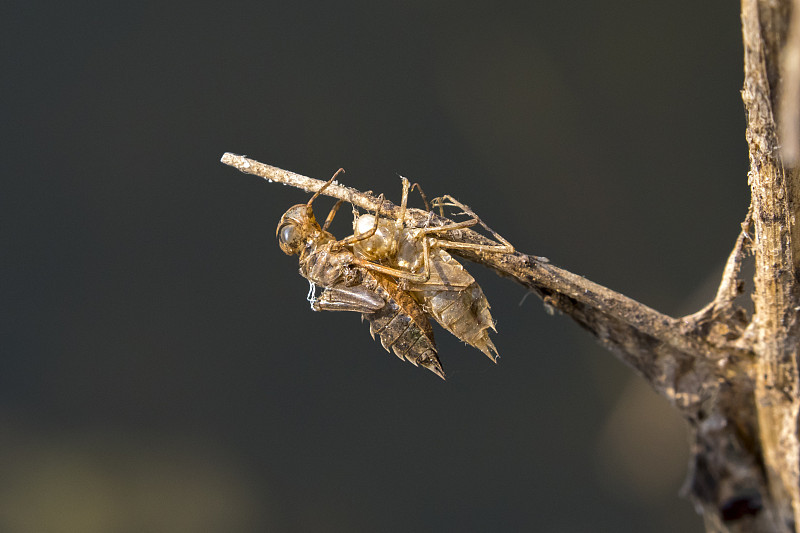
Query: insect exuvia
(396, 275)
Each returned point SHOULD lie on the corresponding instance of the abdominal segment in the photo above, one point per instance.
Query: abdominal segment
(402, 326)
(394, 316)
(455, 300)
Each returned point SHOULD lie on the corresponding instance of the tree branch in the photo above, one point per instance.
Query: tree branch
(777, 253)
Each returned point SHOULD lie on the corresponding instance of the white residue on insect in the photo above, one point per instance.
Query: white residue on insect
(311, 297)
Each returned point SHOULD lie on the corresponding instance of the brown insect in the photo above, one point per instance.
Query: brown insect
(395, 275)
(433, 277)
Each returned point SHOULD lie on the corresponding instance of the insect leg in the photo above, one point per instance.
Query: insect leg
(396, 272)
(332, 214)
(403, 202)
(449, 227)
(316, 194)
(358, 299)
(447, 200)
(424, 198)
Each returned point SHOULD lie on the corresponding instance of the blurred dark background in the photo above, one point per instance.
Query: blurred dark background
(161, 369)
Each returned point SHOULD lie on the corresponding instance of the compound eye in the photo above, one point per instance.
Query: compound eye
(290, 239)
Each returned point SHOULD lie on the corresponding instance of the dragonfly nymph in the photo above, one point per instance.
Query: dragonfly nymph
(396, 275)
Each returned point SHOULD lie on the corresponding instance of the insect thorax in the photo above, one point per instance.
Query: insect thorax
(380, 246)
(327, 267)
(391, 244)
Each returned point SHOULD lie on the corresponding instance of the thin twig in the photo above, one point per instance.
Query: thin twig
(365, 201)
(730, 286)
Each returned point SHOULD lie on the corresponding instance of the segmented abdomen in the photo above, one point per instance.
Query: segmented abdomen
(465, 314)
(456, 301)
(402, 325)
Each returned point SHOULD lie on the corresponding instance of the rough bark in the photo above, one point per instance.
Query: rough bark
(774, 200)
(732, 375)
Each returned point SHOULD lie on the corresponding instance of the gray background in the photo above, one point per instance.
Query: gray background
(160, 367)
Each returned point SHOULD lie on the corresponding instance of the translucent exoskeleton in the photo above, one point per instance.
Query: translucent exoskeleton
(446, 291)
(395, 276)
